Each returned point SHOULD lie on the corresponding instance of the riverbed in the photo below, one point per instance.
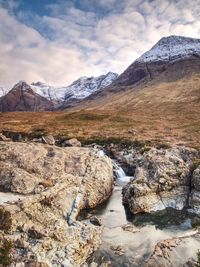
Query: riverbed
(129, 240)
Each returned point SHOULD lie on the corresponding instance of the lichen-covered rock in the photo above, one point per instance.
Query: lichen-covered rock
(161, 180)
(47, 187)
(196, 178)
(48, 139)
(194, 200)
(72, 142)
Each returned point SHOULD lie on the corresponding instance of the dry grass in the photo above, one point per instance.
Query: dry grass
(166, 112)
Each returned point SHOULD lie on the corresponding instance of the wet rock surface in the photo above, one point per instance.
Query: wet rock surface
(47, 188)
(194, 200)
(162, 179)
(44, 188)
(148, 247)
(159, 237)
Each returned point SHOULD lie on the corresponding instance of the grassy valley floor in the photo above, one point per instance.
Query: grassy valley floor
(160, 113)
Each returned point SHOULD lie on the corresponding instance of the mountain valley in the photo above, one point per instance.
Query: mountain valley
(161, 104)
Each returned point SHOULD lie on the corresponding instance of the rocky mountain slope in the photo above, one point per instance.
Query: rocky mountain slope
(79, 89)
(3, 91)
(167, 55)
(39, 96)
(23, 98)
(172, 48)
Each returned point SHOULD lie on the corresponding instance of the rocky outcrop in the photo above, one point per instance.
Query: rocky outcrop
(194, 199)
(43, 188)
(162, 179)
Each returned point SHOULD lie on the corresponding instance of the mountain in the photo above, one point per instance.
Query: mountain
(157, 97)
(3, 91)
(23, 98)
(171, 59)
(79, 89)
(40, 96)
(167, 55)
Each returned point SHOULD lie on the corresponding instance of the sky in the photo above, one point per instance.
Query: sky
(58, 41)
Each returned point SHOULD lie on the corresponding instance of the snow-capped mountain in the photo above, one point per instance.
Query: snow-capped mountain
(80, 89)
(23, 98)
(172, 48)
(179, 50)
(3, 91)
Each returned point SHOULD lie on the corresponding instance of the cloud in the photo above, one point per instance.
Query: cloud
(88, 37)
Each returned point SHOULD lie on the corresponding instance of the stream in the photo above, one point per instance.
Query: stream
(130, 240)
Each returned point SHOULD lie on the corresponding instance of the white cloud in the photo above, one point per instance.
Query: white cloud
(83, 42)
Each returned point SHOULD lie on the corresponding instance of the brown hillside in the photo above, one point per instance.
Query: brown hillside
(159, 111)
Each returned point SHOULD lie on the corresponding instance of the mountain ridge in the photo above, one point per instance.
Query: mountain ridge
(170, 59)
(167, 51)
(154, 101)
(22, 98)
(171, 48)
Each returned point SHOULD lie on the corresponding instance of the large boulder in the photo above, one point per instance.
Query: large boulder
(43, 188)
(162, 179)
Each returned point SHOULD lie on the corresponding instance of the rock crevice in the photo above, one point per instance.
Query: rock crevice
(47, 187)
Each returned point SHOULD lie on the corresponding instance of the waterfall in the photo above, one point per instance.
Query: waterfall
(120, 174)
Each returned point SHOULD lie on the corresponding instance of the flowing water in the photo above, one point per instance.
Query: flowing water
(129, 240)
(9, 197)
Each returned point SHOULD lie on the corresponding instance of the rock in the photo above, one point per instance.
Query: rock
(161, 180)
(118, 250)
(194, 200)
(49, 139)
(126, 157)
(195, 222)
(72, 142)
(130, 228)
(166, 252)
(43, 221)
(196, 178)
(190, 263)
(4, 138)
(132, 131)
(96, 221)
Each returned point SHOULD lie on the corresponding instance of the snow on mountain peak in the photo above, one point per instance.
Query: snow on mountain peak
(3, 91)
(171, 48)
(21, 83)
(79, 89)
